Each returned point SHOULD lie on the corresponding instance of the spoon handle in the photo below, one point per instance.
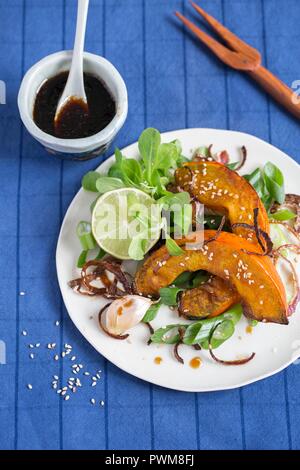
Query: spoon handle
(75, 83)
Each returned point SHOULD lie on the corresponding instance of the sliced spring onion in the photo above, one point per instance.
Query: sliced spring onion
(84, 233)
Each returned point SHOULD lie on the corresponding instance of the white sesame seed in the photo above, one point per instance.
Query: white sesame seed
(86, 373)
(29, 386)
(31, 356)
(57, 323)
(56, 357)
(102, 403)
(93, 401)
(24, 333)
(53, 345)
(63, 354)
(37, 345)
(55, 377)
(94, 378)
(94, 384)
(31, 346)
(22, 293)
(73, 359)
(67, 397)
(261, 302)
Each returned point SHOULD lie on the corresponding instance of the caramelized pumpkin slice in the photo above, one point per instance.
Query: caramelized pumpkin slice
(225, 191)
(210, 299)
(254, 277)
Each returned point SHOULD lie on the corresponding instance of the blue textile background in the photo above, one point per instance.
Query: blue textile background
(173, 82)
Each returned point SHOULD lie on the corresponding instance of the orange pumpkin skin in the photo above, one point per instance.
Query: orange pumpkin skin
(254, 277)
(225, 191)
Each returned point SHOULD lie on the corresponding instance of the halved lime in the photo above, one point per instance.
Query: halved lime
(125, 218)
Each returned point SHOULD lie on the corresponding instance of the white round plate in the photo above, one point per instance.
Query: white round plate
(276, 346)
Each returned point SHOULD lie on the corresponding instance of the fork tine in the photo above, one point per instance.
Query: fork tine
(229, 57)
(232, 40)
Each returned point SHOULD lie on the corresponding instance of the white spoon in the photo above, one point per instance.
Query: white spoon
(74, 88)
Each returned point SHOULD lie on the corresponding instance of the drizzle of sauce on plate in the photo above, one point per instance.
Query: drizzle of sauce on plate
(195, 363)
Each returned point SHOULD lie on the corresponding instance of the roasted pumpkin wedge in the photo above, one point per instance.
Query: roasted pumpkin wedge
(210, 299)
(225, 191)
(254, 277)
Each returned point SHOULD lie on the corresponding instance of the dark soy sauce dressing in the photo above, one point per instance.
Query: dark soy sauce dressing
(75, 120)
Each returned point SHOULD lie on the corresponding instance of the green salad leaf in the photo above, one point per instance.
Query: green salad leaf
(107, 183)
(268, 183)
(89, 181)
(152, 312)
(282, 215)
(199, 332)
(274, 182)
(190, 280)
(168, 295)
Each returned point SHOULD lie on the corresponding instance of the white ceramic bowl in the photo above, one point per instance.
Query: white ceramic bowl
(80, 149)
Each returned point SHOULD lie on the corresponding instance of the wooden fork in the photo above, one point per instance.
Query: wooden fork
(240, 56)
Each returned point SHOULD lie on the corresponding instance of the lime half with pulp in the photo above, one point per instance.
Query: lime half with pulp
(124, 219)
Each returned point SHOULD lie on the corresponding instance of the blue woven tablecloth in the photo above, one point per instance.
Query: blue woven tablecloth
(173, 82)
